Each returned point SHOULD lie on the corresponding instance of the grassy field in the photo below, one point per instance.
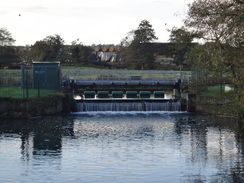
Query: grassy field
(213, 90)
(18, 92)
(80, 68)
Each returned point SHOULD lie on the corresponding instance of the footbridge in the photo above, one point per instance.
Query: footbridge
(123, 80)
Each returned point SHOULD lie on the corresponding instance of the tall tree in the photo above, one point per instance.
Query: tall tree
(220, 24)
(140, 53)
(145, 33)
(8, 54)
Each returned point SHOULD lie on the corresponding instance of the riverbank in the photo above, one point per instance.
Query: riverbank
(39, 106)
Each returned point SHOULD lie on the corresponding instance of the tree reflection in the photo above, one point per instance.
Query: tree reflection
(212, 141)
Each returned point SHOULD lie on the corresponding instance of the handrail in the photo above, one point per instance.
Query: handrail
(127, 75)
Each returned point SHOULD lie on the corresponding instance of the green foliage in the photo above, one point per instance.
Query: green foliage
(80, 54)
(8, 56)
(139, 54)
(5, 37)
(181, 40)
(48, 49)
(182, 36)
(144, 33)
(220, 24)
(213, 90)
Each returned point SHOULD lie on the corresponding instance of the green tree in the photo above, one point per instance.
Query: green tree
(5, 37)
(145, 33)
(8, 54)
(48, 49)
(80, 54)
(182, 44)
(140, 53)
(125, 42)
(220, 24)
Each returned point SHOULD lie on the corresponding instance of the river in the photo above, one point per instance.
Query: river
(170, 147)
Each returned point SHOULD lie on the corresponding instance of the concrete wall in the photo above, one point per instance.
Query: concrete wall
(24, 108)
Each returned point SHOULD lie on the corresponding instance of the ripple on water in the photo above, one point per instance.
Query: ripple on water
(121, 147)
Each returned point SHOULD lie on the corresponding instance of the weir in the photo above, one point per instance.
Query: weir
(121, 90)
(128, 105)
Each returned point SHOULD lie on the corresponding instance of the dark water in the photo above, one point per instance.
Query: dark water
(121, 147)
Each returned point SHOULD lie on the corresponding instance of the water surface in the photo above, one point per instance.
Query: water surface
(121, 147)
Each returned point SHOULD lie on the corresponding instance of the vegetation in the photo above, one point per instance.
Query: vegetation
(48, 49)
(18, 92)
(8, 54)
(135, 52)
(213, 90)
(220, 24)
(80, 54)
(181, 40)
(140, 53)
(5, 37)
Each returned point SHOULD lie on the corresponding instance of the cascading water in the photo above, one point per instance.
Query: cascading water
(93, 106)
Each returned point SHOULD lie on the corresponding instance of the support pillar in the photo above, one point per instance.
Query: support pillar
(177, 93)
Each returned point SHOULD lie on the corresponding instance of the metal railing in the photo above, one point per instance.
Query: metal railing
(126, 75)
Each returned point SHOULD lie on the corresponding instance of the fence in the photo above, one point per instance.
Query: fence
(126, 75)
(22, 84)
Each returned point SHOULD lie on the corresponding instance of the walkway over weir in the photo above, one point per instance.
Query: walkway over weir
(123, 79)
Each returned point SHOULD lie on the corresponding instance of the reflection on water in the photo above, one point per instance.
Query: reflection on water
(121, 147)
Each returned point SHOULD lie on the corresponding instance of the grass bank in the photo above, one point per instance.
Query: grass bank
(18, 92)
(215, 100)
(213, 91)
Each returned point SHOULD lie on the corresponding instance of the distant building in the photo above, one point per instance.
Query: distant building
(108, 53)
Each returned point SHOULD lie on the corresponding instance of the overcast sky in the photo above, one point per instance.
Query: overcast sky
(90, 21)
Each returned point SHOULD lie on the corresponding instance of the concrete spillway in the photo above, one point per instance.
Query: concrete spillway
(128, 105)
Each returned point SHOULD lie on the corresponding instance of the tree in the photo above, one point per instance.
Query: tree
(8, 54)
(182, 43)
(145, 33)
(140, 53)
(80, 54)
(220, 24)
(125, 42)
(48, 49)
(5, 37)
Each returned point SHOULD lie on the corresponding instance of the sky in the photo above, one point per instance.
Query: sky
(89, 21)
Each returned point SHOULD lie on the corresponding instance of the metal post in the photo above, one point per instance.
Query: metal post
(27, 92)
(38, 85)
(180, 72)
(23, 79)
